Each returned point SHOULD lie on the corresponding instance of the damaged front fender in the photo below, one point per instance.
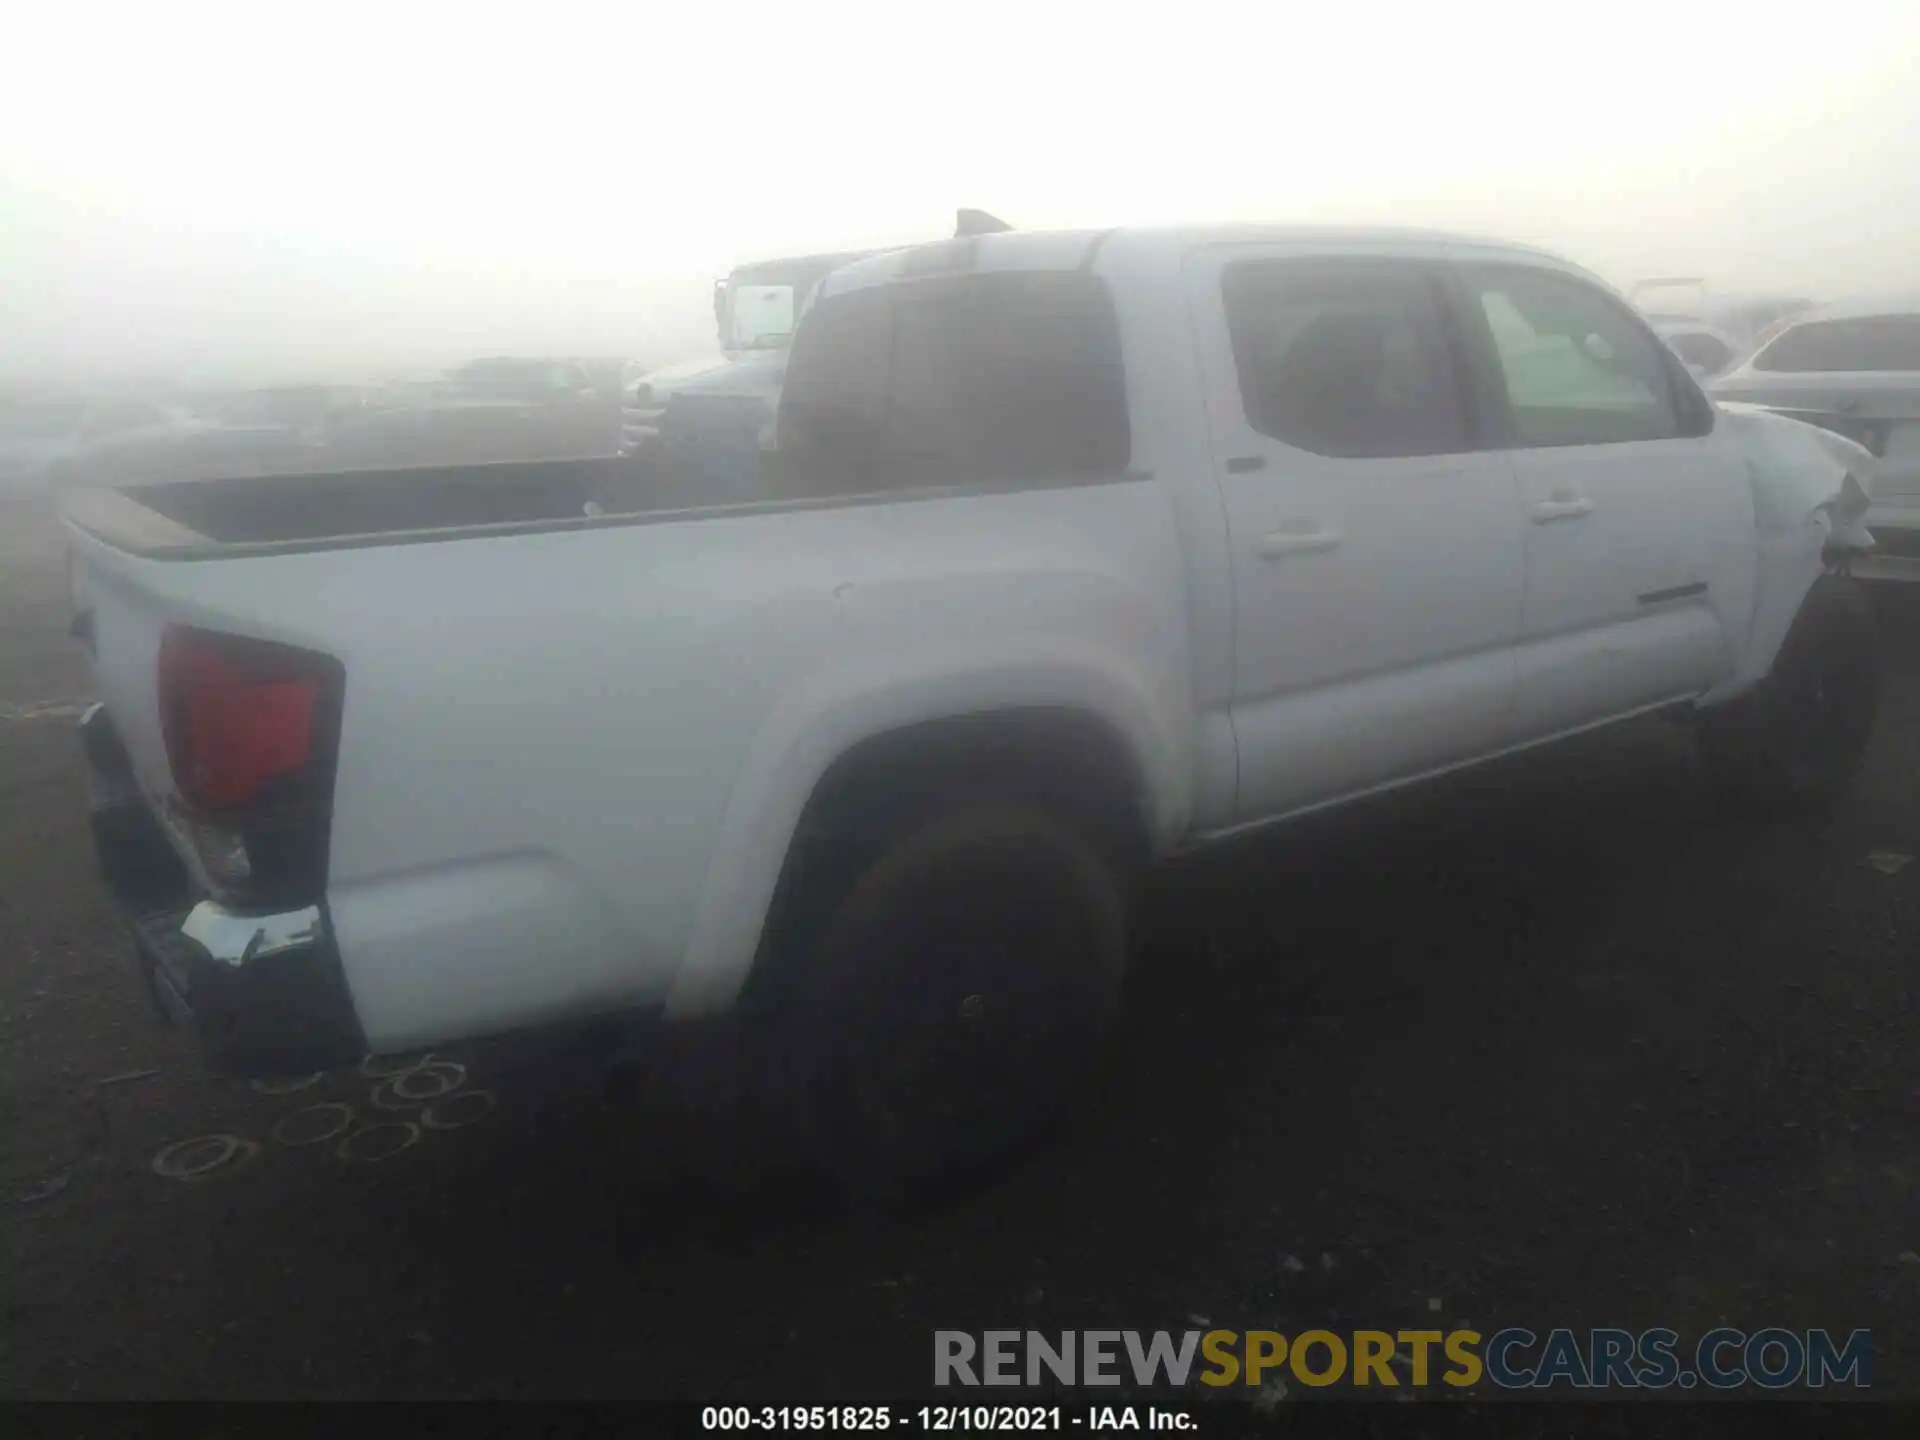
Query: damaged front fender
(1801, 472)
(1811, 491)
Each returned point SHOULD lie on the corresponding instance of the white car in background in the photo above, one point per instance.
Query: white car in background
(1853, 368)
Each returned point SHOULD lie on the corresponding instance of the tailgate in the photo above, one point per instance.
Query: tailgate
(121, 621)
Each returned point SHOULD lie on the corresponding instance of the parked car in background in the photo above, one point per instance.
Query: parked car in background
(1706, 350)
(492, 409)
(210, 433)
(1741, 317)
(384, 397)
(611, 376)
(50, 441)
(1076, 550)
(1747, 318)
(305, 410)
(1853, 368)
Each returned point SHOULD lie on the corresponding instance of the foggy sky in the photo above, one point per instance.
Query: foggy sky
(334, 189)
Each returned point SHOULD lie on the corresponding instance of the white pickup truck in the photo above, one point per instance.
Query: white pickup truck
(1076, 550)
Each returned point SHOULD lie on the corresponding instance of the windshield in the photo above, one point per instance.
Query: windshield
(761, 304)
(759, 317)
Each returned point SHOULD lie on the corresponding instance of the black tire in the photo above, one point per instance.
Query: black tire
(1794, 742)
(959, 991)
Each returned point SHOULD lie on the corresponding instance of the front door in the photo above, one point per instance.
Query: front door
(1638, 518)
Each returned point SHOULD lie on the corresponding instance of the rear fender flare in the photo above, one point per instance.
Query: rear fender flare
(831, 715)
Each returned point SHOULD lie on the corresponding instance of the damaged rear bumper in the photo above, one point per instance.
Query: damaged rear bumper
(264, 994)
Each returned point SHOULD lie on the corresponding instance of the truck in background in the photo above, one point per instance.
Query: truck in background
(712, 421)
(714, 417)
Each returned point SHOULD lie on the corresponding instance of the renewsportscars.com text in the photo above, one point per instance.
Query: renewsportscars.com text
(1514, 1358)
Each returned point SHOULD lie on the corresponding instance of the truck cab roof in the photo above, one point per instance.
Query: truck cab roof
(1145, 248)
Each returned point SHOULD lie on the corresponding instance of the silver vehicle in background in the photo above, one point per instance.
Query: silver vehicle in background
(1852, 368)
(1685, 302)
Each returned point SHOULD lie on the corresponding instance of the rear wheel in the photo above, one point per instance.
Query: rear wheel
(1795, 741)
(958, 992)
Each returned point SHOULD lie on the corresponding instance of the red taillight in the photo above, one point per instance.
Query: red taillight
(252, 729)
(239, 716)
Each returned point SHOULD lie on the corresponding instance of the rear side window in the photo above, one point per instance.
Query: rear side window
(956, 380)
(1574, 367)
(1343, 358)
(1866, 342)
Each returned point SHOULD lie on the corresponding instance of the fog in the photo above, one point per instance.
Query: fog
(287, 191)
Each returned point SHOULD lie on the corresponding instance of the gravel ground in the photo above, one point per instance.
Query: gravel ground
(1549, 1044)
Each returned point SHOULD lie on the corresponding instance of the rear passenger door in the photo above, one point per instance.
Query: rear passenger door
(1375, 551)
(1638, 521)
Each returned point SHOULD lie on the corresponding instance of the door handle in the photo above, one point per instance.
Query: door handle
(1561, 507)
(1298, 542)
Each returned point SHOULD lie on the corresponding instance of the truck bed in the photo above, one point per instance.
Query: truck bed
(276, 508)
(275, 513)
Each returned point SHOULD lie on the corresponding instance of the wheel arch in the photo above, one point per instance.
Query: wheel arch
(1084, 730)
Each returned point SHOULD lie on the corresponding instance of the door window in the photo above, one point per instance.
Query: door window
(1573, 366)
(1344, 358)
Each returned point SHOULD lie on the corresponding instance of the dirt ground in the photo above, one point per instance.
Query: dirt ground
(1550, 1044)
